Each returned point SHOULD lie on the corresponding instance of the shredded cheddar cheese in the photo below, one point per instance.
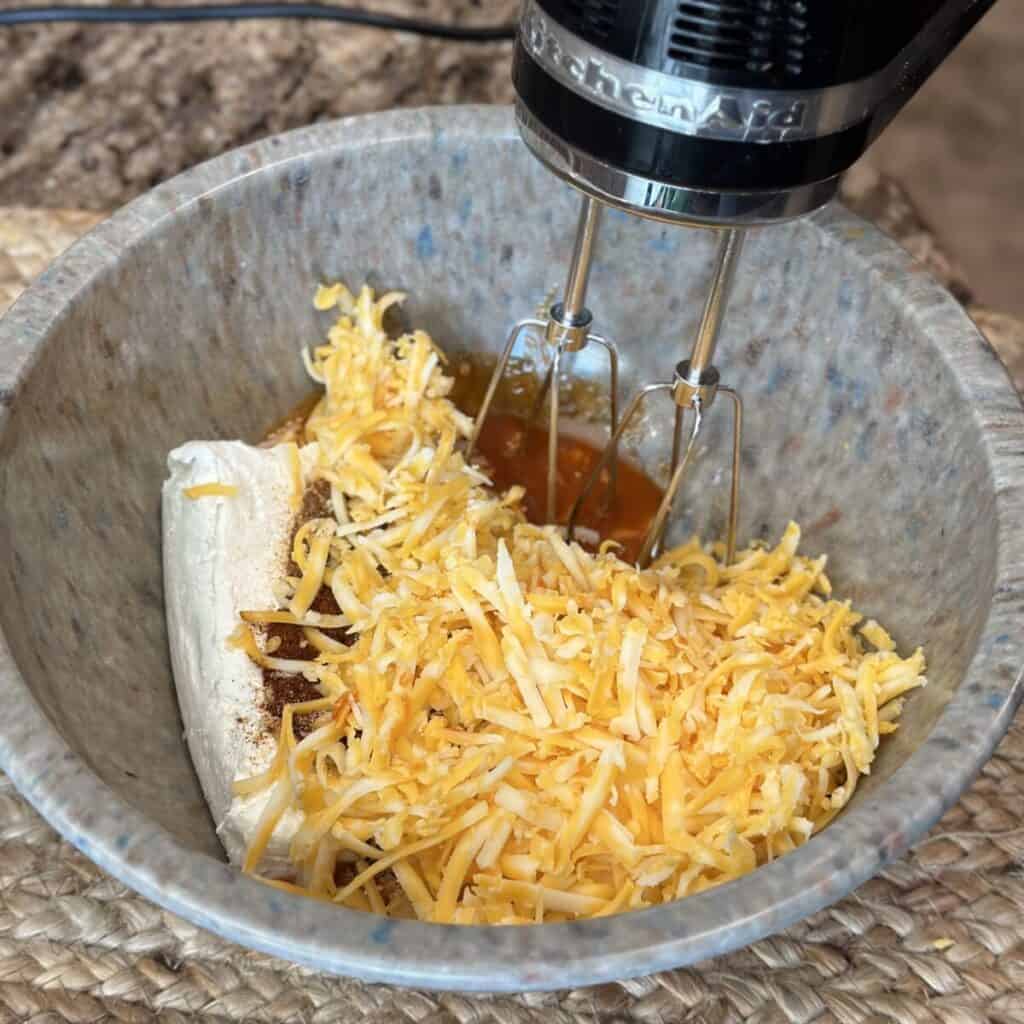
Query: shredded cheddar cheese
(212, 490)
(524, 731)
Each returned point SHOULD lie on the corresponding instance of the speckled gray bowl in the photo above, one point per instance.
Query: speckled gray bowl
(877, 417)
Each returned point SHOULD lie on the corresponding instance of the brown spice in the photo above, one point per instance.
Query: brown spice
(389, 888)
(325, 604)
(291, 643)
(387, 884)
(316, 503)
(344, 872)
(279, 689)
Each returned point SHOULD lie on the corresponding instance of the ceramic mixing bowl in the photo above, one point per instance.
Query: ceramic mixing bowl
(876, 416)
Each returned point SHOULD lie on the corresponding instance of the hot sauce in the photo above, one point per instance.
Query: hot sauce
(516, 453)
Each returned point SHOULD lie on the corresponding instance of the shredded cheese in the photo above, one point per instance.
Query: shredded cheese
(211, 490)
(524, 731)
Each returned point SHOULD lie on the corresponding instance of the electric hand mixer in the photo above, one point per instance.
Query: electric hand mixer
(722, 114)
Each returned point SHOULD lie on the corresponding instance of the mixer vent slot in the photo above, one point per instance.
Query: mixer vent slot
(592, 19)
(740, 35)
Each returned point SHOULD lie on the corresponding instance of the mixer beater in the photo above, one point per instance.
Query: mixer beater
(693, 387)
(566, 330)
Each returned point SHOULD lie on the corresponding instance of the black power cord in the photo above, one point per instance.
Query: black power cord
(161, 13)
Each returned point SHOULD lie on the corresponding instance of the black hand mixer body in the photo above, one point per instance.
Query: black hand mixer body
(714, 113)
(761, 103)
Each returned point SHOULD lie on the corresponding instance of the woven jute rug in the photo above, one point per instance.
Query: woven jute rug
(938, 936)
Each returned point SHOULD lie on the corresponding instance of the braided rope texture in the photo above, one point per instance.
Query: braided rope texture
(937, 937)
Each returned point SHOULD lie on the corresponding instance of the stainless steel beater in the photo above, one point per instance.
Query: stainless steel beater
(694, 386)
(566, 329)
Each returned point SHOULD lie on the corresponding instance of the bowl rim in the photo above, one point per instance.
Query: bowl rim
(132, 848)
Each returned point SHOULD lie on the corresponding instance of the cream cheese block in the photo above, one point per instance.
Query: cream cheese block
(223, 554)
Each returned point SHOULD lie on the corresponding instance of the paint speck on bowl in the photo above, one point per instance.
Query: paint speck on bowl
(425, 243)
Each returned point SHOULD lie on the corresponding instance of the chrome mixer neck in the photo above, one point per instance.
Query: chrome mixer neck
(569, 321)
(730, 247)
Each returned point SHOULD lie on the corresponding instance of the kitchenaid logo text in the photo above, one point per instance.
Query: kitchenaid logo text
(705, 111)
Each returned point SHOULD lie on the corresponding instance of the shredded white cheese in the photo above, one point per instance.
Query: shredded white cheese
(524, 731)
